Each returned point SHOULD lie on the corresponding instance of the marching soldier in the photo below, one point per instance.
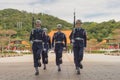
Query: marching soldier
(59, 42)
(78, 39)
(47, 46)
(37, 37)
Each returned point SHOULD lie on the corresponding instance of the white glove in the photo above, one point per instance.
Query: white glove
(64, 48)
(72, 40)
(44, 49)
(31, 42)
(84, 48)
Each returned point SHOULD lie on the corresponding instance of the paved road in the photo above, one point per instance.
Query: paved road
(96, 67)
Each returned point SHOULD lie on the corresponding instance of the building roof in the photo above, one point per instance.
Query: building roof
(66, 32)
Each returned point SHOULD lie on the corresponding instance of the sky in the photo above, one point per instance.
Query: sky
(86, 10)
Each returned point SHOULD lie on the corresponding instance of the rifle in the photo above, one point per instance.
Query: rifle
(74, 23)
(74, 19)
(33, 21)
(72, 35)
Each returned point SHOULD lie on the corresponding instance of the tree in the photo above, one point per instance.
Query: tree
(116, 34)
(10, 32)
(3, 43)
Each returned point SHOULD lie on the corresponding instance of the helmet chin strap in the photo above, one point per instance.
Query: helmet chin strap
(59, 30)
(38, 27)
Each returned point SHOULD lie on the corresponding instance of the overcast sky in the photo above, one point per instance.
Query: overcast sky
(86, 10)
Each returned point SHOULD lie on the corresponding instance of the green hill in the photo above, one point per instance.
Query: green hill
(101, 30)
(11, 17)
(21, 21)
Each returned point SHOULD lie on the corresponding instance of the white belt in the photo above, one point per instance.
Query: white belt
(45, 43)
(58, 42)
(37, 40)
(78, 38)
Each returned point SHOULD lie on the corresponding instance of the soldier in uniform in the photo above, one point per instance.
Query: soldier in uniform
(47, 46)
(37, 37)
(78, 39)
(59, 42)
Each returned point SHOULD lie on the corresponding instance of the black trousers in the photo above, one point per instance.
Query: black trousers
(58, 53)
(45, 57)
(37, 49)
(78, 55)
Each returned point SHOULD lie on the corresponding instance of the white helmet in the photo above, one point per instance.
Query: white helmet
(45, 29)
(38, 21)
(59, 26)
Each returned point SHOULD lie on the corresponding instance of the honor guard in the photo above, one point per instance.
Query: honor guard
(37, 37)
(47, 46)
(78, 39)
(59, 42)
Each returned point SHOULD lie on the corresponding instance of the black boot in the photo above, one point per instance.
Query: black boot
(81, 66)
(78, 71)
(37, 71)
(59, 68)
(44, 67)
(39, 63)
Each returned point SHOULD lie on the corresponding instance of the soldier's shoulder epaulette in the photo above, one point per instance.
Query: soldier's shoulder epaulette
(84, 31)
(73, 30)
(55, 33)
(32, 31)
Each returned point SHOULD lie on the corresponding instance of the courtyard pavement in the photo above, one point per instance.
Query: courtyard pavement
(96, 67)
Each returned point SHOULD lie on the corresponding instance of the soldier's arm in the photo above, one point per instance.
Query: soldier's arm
(43, 36)
(49, 42)
(65, 40)
(31, 37)
(85, 38)
(53, 39)
(71, 35)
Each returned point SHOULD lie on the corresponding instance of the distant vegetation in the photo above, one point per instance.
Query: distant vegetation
(21, 22)
(101, 30)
